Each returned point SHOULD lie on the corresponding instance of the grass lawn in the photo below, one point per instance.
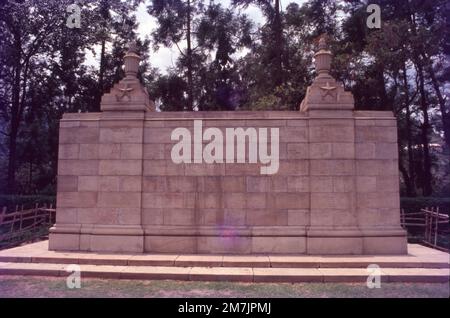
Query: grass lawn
(27, 286)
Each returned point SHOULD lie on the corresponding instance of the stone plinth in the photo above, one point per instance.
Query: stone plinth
(336, 189)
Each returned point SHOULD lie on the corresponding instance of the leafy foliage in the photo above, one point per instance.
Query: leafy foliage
(226, 62)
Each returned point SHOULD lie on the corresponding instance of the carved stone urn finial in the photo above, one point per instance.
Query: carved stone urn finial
(129, 94)
(322, 43)
(132, 60)
(323, 58)
(325, 93)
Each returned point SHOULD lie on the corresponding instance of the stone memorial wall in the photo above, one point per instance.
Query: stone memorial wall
(322, 180)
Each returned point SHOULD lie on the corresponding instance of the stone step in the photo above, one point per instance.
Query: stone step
(418, 257)
(227, 261)
(237, 274)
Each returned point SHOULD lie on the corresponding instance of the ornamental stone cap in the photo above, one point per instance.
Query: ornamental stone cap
(325, 93)
(129, 94)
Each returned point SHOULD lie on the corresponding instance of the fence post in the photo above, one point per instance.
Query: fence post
(431, 225)
(36, 213)
(21, 220)
(13, 222)
(436, 226)
(51, 215)
(2, 215)
(402, 218)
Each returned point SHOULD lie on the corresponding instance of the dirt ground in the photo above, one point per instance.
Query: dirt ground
(27, 286)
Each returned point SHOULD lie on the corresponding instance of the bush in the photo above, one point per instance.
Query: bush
(28, 201)
(415, 204)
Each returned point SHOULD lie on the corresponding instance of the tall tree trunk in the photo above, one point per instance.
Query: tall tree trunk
(104, 12)
(427, 188)
(15, 116)
(427, 178)
(101, 75)
(278, 35)
(12, 159)
(412, 176)
(189, 58)
(385, 101)
(406, 178)
(30, 175)
(444, 110)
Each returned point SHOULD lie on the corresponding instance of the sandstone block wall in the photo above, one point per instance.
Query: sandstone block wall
(336, 190)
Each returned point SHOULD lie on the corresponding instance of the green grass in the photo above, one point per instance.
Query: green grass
(20, 286)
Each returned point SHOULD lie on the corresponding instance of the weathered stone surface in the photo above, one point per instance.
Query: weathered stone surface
(298, 217)
(377, 245)
(108, 183)
(88, 183)
(376, 168)
(118, 244)
(119, 199)
(332, 167)
(267, 217)
(298, 184)
(120, 167)
(324, 179)
(66, 215)
(68, 151)
(130, 183)
(331, 134)
(77, 167)
(287, 245)
(334, 245)
(321, 184)
(76, 135)
(162, 168)
(64, 242)
(121, 135)
(336, 190)
(77, 199)
(67, 183)
(376, 134)
(131, 151)
(170, 244)
(109, 151)
(88, 151)
(297, 151)
(224, 244)
(330, 200)
(152, 216)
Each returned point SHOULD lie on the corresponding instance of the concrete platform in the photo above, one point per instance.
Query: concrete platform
(422, 264)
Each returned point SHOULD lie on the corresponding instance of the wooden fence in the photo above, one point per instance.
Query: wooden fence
(25, 225)
(428, 226)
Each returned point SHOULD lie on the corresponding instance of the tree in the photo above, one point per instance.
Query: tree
(176, 21)
(272, 37)
(391, 71)
(26, 29)
(225, 33)
(43, 76)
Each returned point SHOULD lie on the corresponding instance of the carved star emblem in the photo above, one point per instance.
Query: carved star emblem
(125, 92)
(329, 91)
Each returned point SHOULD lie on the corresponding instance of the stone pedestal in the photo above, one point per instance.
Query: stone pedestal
(336, 190)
